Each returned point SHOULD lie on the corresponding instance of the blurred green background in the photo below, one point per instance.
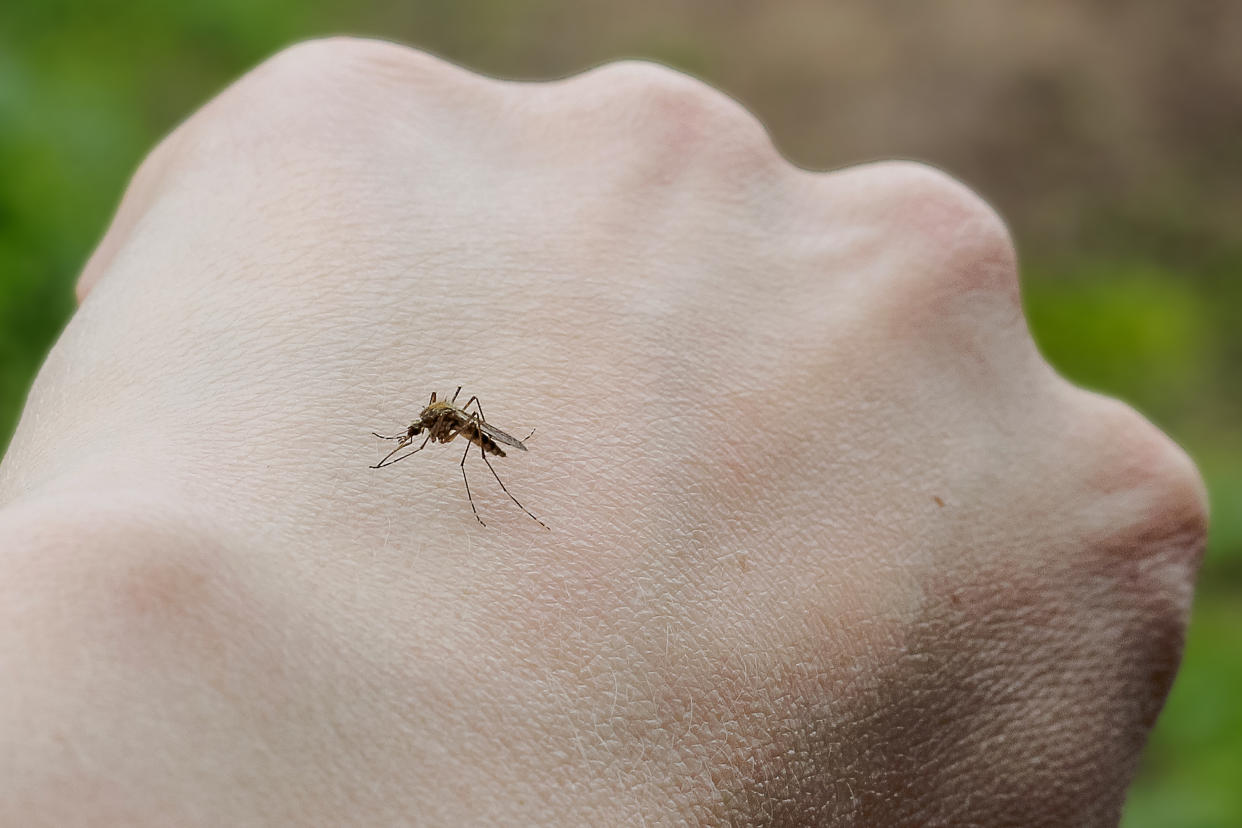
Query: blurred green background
(1108, 133)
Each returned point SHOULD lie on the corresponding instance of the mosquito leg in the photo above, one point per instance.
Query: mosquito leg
(477, 405)
(381, 464)
(469, 496)
(478, 418)
(506, 488)
(455, 393)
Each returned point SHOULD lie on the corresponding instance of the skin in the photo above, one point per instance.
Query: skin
(830, 542)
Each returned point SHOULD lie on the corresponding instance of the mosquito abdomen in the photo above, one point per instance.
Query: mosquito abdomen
(489, 445)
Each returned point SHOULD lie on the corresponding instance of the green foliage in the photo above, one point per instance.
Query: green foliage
(1192, 767)
(1134, 330)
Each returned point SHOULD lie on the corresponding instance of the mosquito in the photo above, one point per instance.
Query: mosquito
(444, 421)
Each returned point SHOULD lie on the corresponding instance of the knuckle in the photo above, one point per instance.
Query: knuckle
(1146, 519)
(328, 88)
(130, 568)
(351, 59)
(319, 110)
(657, 89)
(676, 114)
(961, 243)
(1147, 509)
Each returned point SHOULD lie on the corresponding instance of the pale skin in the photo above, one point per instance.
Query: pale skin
(754, 387)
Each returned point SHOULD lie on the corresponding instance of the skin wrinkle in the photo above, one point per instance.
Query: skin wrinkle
(989, 702)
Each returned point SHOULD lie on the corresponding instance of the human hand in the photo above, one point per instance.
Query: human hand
(831, 544)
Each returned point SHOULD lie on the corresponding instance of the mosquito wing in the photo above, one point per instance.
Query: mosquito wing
(499, 436)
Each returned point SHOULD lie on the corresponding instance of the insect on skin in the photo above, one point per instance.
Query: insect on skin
(444, 421)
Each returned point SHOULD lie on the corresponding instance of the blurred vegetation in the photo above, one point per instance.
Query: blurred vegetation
(1109, 134)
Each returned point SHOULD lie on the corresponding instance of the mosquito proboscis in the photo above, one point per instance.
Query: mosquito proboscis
(445, 421)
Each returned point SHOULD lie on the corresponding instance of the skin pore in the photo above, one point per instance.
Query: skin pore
(830, 542)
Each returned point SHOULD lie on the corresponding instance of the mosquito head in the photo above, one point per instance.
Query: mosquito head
(414, 430)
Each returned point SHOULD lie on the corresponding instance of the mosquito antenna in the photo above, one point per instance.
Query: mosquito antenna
(382, 464)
